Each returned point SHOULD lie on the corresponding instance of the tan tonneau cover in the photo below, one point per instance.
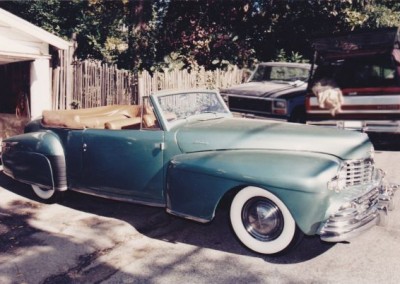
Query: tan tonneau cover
(97, 117)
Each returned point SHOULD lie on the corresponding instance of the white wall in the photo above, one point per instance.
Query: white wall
(40, 86)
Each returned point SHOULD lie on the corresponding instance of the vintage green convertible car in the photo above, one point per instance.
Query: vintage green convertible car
(186, 152)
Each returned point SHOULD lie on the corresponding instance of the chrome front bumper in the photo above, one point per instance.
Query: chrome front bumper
(369, 126)
(360, 214)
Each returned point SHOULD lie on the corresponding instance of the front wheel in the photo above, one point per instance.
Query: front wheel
(298, 116)
(47, 195)
(262, 222)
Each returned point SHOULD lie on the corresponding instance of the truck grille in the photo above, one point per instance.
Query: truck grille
(250, 104)
(359, 172)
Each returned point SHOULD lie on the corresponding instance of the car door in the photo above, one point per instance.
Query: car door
(123, 163)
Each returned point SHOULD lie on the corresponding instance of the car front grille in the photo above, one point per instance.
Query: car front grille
(254, 105)
(359, 172)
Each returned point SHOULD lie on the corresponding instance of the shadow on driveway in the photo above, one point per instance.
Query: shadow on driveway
(157, 224)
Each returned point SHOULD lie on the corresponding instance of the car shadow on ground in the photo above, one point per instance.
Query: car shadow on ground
(42, 250)
(157, 224)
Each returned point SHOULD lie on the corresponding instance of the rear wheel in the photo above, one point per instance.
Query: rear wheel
(262, 222)
(47, 195)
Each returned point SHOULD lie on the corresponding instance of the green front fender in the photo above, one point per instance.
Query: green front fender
(36, 158)
(198, 181)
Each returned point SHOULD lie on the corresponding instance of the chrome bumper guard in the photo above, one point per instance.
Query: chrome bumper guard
(370, 126)
(361, 214)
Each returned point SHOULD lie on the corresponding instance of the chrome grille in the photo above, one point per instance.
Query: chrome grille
(250, 104)
(359, 172)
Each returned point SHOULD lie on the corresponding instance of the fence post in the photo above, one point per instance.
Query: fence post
(141, 89)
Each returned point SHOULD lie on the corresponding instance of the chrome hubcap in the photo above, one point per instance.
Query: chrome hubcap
(262, 219)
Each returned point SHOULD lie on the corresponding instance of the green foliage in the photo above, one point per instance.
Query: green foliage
(40, 13)
(210, 34)
(373, 16)
(281, 56)
(173, 61)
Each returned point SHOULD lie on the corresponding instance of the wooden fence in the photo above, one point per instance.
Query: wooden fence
(62, 79)
(97, 84)
(182, 79)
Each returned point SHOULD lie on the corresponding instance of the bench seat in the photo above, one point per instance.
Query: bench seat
(127, 123)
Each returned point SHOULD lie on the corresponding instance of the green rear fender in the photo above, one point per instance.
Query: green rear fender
(36, 158)
(197, 182)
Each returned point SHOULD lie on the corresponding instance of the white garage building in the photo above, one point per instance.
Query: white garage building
(35, 72)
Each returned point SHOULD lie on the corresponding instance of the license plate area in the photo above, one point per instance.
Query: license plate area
(353, 124)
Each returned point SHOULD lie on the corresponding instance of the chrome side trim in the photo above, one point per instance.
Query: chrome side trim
(123, 199)
(189, 217)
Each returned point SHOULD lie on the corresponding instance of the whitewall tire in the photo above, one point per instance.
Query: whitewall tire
(47, 195)
(261, 221)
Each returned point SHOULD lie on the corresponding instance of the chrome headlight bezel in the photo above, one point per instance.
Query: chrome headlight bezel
(279, 104)
(338, 182)
(372, 153)
(279, 107)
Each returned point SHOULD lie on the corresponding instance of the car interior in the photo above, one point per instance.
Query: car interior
(105, 117)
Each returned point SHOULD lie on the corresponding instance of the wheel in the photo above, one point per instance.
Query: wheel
(298, 116)
(262, 222)
(47, 195)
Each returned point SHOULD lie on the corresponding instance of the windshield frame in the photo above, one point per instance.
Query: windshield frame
(168, 125)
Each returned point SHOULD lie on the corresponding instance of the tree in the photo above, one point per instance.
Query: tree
(141, 34)
(373, 14)
(143, 20)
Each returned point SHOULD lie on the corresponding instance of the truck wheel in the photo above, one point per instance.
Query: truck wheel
(47, 195)
(298, 116)
(262, 222)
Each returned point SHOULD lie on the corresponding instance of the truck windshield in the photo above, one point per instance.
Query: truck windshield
(358, 72)
(279, 73)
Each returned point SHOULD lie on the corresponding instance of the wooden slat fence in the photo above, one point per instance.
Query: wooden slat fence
(62, 80)
(97, 84)
(183, 79)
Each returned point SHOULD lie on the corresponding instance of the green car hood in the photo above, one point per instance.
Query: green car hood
(239, 133)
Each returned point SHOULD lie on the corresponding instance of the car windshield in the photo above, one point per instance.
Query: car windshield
(279, 73)
(189, 104)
